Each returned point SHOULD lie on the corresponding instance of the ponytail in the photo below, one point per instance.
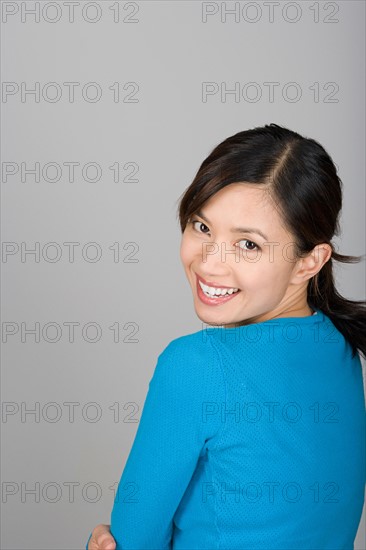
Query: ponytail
(348, 316)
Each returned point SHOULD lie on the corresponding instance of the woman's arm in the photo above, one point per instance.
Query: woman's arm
(173, 429)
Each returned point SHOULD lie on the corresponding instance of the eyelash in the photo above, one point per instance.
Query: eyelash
(193, 221)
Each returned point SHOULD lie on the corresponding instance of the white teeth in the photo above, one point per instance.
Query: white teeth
(211, 291)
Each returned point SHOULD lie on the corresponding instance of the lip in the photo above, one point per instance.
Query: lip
(213, 301)
(215, 285)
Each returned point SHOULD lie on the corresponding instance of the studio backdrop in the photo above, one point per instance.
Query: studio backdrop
(108, 109)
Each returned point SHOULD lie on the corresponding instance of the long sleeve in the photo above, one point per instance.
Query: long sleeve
(176, 421)
(90, 536)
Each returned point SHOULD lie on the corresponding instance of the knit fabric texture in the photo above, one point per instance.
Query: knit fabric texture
(251, 438)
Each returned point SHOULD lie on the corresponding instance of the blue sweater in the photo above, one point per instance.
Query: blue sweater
(250, 438)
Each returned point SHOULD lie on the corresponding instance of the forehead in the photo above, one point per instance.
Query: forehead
(241, 191)
(241, 199)
(247, 203)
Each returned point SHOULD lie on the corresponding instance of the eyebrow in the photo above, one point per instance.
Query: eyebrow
(236, 229)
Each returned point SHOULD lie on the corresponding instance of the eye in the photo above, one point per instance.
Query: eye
(256, 247)
(252, 245)
(200, 224)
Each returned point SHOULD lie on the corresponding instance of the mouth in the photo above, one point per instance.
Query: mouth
(211, 294)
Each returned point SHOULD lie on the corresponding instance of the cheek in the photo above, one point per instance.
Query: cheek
(275, 274)
(186, 251)
(266, 272)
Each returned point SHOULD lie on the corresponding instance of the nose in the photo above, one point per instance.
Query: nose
(217, 259)
(219, 252)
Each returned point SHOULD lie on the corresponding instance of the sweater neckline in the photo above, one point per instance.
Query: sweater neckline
(316, 317)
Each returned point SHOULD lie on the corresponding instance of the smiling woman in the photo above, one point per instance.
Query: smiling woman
(252, 432)
(270, 283)
(272, 180)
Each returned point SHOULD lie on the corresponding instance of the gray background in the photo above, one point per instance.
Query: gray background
(168, 51)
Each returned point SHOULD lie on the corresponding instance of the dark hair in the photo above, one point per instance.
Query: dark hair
(304, 185)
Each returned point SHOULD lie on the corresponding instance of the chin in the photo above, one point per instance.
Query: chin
(215, 320)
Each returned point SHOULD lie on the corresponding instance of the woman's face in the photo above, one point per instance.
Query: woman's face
(262, 267)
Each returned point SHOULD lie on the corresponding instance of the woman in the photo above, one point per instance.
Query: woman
(252, 432)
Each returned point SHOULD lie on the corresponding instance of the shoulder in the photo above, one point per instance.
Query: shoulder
(192, 348)
(190, 359)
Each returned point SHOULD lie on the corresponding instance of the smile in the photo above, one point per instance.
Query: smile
(214, 295)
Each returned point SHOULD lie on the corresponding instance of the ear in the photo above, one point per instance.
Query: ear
(311, 264)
